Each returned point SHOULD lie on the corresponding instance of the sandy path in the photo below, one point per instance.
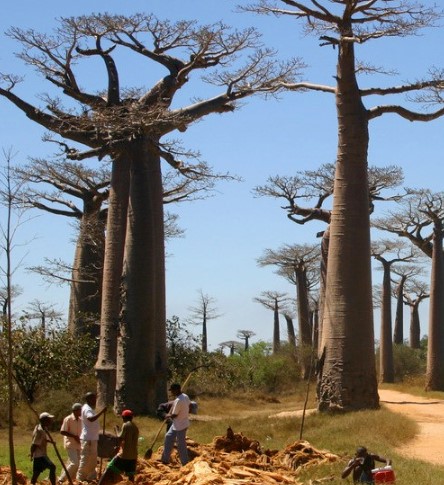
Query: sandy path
(429, 414)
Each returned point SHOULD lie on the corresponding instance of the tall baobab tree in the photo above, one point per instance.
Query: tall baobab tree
(201, 313)
(130, 125)
(296, 263)
(306, 197)
(291, 334)
(414, 293)
(404, 273)
(420, 219)
(347, 362)
(388, 253)
(75, 191)
(273, 300)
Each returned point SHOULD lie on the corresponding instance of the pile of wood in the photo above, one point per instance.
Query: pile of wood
(5, 476)
(235, 460)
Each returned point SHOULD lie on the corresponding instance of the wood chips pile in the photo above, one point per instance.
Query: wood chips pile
(5, 476)
(235, 460)
(232, 459)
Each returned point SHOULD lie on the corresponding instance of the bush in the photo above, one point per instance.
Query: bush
(49, 362)
(408, 362)
(251, 370)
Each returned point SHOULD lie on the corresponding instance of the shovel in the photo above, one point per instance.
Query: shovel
(149, 451)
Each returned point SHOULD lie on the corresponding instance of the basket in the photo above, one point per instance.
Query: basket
(107, 446)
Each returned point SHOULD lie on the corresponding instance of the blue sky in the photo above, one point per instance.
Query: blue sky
(224, 235)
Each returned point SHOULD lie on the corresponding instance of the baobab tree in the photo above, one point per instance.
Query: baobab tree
(201, 313)
(296, 263)
(404, 273)
(420, 219)
(388, 252)
(347, 362)
(245, 335)
(414, 293)
(78, 192)
(274, 300)
(129, 126)
(43, 312)
(291, 334)
(307, 194)
(75, 191)
(232, 345)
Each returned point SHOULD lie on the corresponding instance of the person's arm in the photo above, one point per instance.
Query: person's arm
(95, 417)
(70, 435)
(174, 411)
(387, 461)
(352, 464)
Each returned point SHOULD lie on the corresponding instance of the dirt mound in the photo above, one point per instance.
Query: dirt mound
(233, 459)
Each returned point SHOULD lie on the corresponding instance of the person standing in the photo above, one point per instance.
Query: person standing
(70, 430)
(38, 452)
(125, 461)
(89, 438)
(179, 415)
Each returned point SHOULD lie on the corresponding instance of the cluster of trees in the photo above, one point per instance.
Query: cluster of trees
(119, 266)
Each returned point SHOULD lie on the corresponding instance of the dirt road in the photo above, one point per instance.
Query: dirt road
(429, 414)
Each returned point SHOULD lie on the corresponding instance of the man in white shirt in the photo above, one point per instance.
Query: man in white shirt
(70, 430)
(179, 414)
(89, 438)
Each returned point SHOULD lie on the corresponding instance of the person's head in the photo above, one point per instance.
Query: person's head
(175, 389)
(76, 409)
(127, 415)
(361, 452)
(91, 398)
(45, 419)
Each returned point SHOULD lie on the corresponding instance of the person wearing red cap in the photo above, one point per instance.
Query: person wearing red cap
(126, 459)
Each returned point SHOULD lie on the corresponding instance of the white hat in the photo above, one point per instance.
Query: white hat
(45, 415)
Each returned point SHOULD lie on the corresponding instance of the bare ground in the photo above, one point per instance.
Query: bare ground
(429, 414)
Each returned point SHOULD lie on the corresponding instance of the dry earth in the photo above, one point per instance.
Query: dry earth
(429, 414)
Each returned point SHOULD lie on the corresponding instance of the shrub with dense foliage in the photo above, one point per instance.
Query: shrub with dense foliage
(50, 360)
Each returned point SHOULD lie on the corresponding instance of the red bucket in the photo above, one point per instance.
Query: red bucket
(384, 475)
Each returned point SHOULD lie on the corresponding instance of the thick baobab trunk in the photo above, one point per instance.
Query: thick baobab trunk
(87, 273)
(276, 329)
(386, 365)
(347, 374)
(290, 331)
(305, 340)
(415, 328)
(115, 243)
(435, 352)
(398, 333)
(141, 353)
